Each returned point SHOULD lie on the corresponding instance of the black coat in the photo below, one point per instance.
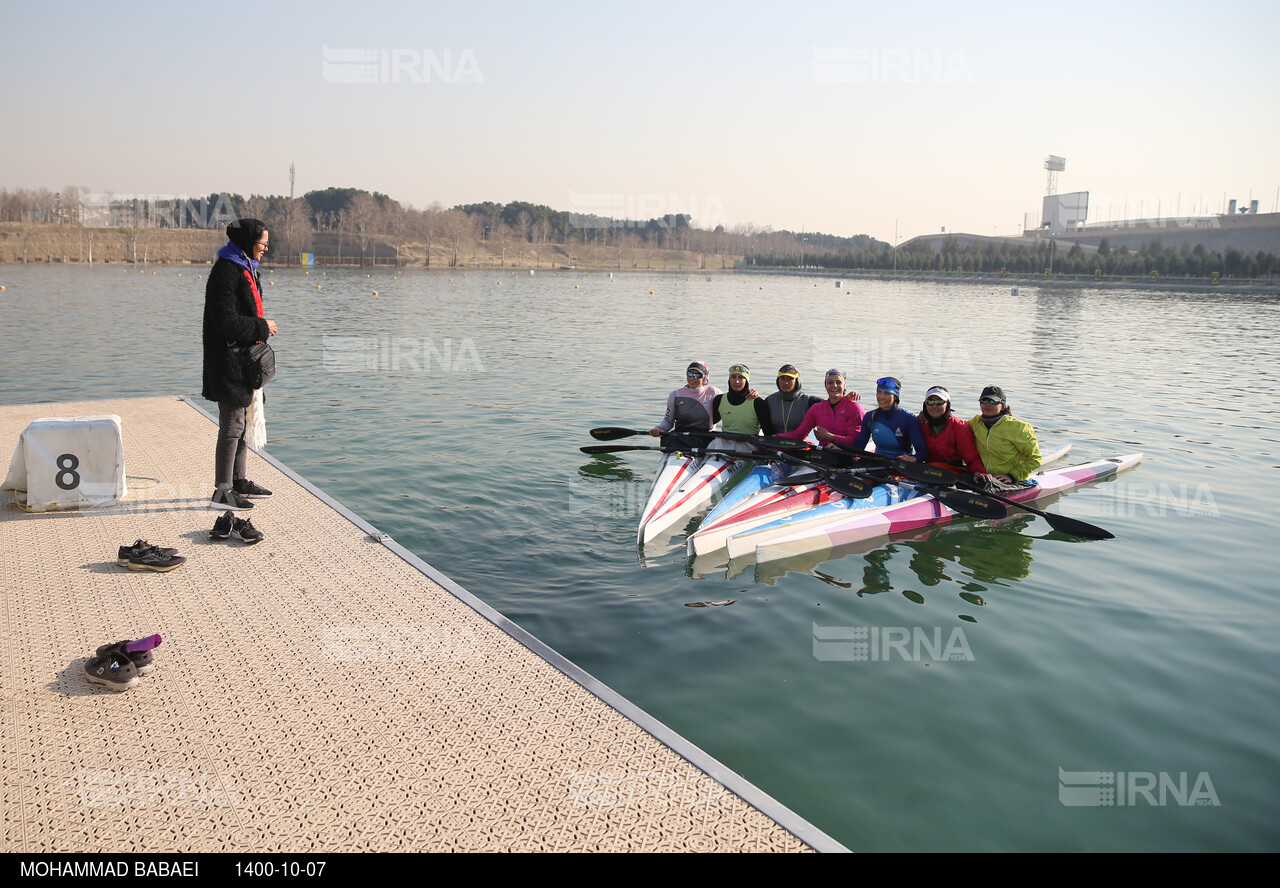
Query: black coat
(230, 315)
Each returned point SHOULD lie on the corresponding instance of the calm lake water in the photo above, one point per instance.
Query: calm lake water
(448, 409)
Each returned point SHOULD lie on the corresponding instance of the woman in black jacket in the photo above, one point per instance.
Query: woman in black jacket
(233, 314)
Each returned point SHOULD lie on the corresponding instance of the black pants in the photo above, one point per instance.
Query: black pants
(232, 453)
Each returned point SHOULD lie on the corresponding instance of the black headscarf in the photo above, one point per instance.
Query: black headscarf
(244, 233)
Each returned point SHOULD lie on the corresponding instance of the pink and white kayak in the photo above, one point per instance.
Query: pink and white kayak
(741, 534)
(924, 510)
(771, 503)
(683, 491)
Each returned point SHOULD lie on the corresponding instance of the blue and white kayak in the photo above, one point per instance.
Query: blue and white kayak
(761, 475)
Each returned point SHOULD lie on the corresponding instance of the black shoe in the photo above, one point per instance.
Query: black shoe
(138, 652)
(141, 547)
(222, 527)
(229, 499)
(245, 487)
(153, 560)
(112, 670)
(244, 531)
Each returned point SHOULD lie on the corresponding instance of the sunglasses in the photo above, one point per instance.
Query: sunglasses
(694, 373)
(887, 384)
(935, 402)
(989, 401)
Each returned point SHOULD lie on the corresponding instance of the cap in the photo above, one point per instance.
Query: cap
(938, 392)
(993, 391)
(789, 370)
(740, 370)
(699, 366)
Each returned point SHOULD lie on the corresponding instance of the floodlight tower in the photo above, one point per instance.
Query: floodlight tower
(1054, 164)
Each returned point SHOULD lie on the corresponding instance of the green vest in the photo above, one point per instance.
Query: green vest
(741, 419)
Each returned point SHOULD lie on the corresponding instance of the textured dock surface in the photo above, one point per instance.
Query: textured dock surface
(319, 691)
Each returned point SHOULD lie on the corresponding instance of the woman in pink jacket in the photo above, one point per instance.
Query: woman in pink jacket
(837, 420)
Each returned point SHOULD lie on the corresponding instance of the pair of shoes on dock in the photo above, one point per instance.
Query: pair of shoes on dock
(118, 665)
(144, 556)
(231, 527)
(237, 496)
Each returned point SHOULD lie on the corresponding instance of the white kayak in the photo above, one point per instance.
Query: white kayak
(922, 510)
(696, 489)
(674, 470)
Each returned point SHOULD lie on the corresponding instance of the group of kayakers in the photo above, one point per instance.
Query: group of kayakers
(993, 446)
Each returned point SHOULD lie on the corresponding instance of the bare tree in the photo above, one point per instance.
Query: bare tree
(364, 214)
(255, 207)
(295, 229)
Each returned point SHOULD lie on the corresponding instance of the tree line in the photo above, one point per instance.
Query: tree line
(1034, 258)
(351, 222)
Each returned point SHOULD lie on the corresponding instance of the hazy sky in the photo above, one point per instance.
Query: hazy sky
(842, 117)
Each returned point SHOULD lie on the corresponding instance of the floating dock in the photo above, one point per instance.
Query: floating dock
(322, 691)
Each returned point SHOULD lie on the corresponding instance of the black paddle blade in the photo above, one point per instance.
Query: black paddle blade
(847, 485)
(802, 477)
(775, 443)
(613, 433)
(823, 458)
(972, 504)
(616, 448)
(923, 472)
(1076, 527)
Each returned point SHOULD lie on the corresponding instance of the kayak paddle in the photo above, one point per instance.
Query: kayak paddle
(1060, 523)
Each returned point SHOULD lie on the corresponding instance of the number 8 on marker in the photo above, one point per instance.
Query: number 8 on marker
(72, 463)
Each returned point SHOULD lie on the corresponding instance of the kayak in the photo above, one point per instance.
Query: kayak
(698, 487)
(745, 540)
(674, 470)
(762, 475)
(922, 510)
(780, 509)
(769, 504)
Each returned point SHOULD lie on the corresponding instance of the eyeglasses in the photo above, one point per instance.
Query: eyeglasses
(887, 383)
(989, 401)
(694, 373)
(934, 402)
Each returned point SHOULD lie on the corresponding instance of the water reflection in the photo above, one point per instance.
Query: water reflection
(974, 556)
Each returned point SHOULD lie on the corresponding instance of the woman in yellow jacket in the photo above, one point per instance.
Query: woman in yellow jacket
(1008, 446)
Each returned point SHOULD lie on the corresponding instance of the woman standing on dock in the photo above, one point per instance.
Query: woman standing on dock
(233, 314)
